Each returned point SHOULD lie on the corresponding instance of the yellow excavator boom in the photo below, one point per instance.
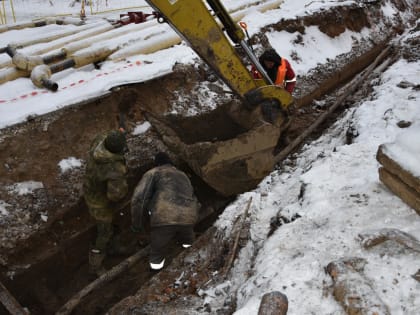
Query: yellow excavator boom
(217, 43)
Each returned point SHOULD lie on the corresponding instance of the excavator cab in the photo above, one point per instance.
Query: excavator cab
(238, 162)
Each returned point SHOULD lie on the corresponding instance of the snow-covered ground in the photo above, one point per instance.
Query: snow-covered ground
(333, 187)
(335, 190)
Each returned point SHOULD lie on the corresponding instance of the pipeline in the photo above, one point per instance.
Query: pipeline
(25, 64)
(85, 29)
(23, 44)
(41, 74)
(38, 23)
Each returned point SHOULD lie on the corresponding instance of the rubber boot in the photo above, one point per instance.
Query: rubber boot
(96, 258)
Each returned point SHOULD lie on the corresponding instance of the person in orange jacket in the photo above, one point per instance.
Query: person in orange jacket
(278, 69)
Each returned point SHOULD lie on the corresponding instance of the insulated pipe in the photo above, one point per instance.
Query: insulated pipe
(27, 64)
(10, 74)
(41, 74)
(40, 77)
(18, 45)
(99, 29)
(269, 5)
(37, 23)
(72, 47)
(151, 45)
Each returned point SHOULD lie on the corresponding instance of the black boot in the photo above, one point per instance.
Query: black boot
(96, 258)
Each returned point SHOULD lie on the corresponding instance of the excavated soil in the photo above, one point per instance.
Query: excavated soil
(43, 264)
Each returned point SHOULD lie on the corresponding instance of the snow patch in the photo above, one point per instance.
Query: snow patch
(141, 128)
(24, 188)
(3, 210)
(69, 163)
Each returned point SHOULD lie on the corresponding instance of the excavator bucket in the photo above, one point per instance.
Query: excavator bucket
(229, 151)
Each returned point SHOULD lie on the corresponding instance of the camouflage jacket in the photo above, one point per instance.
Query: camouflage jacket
(167, 195)
(105, 179)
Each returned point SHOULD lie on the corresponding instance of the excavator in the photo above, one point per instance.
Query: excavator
(234, 163)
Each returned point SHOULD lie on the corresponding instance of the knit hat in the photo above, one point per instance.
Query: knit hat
(162, 158)
(115, 141)
(270, 55)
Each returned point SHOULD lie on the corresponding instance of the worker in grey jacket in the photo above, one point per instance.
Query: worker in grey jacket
(167, 196)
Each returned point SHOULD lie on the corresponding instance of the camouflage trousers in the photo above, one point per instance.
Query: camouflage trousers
(104, 226)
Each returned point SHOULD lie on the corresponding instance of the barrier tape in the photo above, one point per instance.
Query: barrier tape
(73, 84)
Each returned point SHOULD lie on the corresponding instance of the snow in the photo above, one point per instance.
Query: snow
(3, 210)
(141, 128)
(333, 192)
(24, 188)
(315, 47)
(69, 163)
(342, 197)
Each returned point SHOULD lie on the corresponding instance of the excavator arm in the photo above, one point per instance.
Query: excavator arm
(229, 163)
(212, 40)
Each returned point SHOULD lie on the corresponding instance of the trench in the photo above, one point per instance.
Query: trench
(61, 270)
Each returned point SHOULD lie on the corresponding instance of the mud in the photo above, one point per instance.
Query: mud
(43, 264)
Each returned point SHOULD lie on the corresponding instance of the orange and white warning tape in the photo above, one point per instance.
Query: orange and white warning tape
(38, 92)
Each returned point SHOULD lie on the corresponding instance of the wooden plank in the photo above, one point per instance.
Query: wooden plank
(102, 280)
(397, 170)
(401, 189)
(10, 303)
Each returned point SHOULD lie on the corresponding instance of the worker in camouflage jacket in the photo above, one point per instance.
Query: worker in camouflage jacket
(166, 195)
(105, 185)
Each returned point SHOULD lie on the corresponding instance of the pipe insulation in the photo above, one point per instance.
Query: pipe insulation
(58, 43)
(24, 62)
(43, 39)
(41, 74)
(123, 30)
(10, 74)
(39, 23)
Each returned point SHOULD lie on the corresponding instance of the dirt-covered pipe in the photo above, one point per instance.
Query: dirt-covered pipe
(11, 74)
(26, 63)
(40, 77)
(41, 74)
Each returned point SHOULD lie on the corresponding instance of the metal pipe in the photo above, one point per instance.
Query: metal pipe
(50, 85)
(255, 61)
